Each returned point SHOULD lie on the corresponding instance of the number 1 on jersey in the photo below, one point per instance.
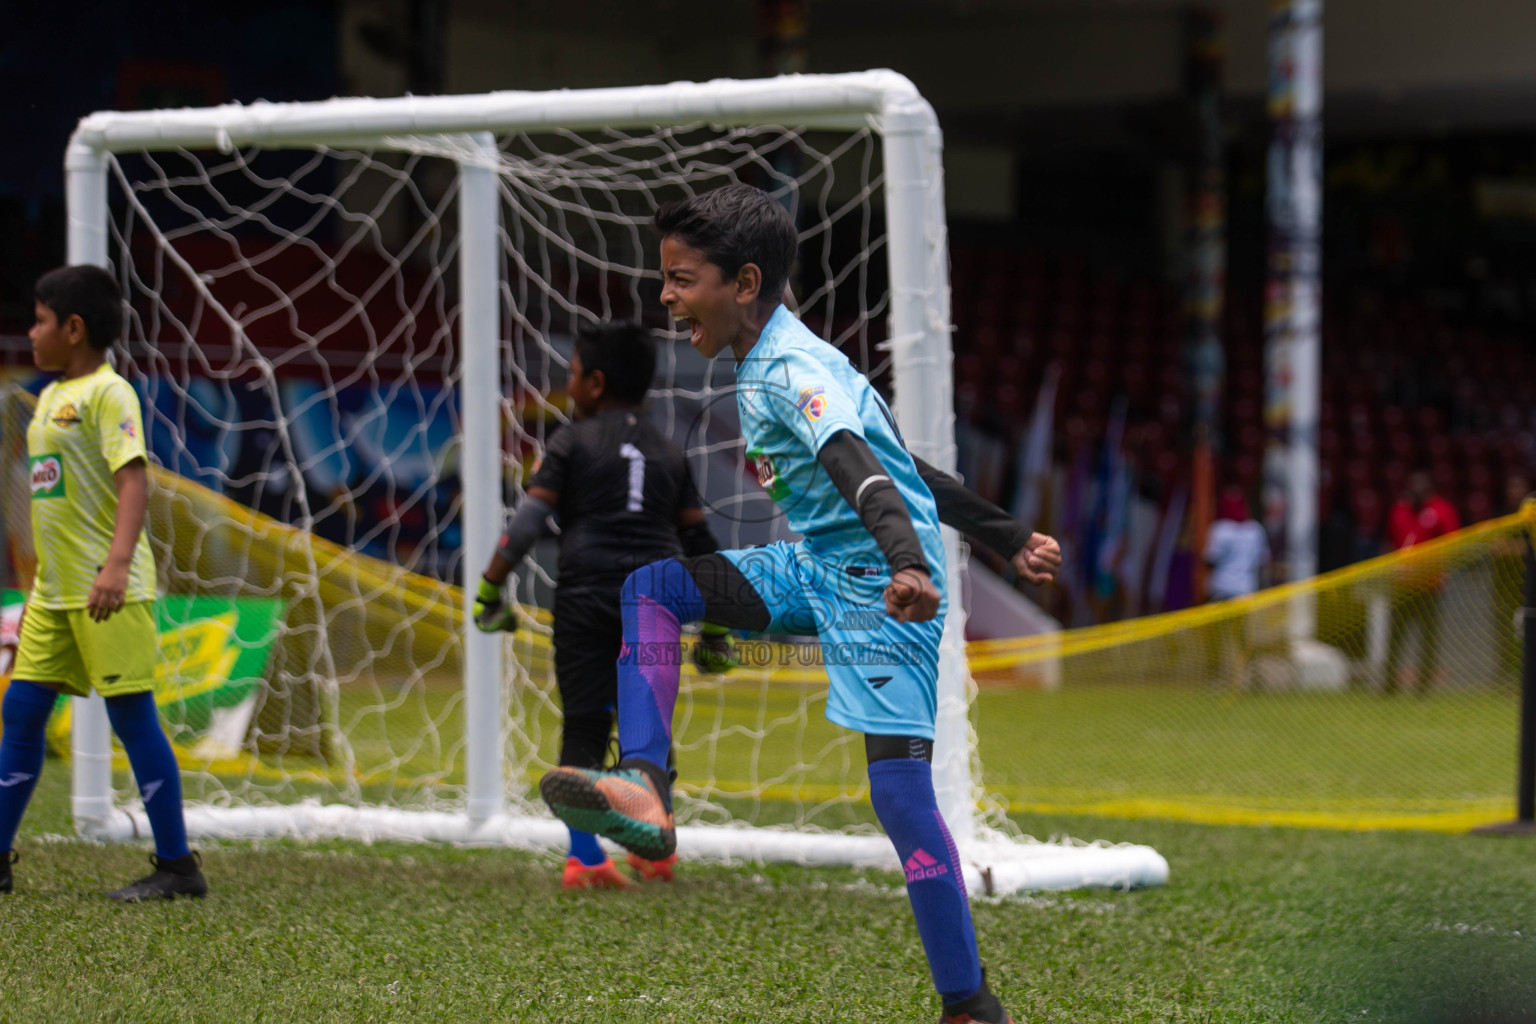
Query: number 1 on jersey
(636, 475)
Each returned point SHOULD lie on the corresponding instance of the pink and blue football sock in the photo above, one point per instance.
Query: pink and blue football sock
(902, 792)
(656, 600)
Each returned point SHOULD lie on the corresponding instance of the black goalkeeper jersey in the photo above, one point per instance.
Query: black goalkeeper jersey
(621, 484)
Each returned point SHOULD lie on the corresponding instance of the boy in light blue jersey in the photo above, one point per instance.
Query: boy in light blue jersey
(798, 397)
(868, 577)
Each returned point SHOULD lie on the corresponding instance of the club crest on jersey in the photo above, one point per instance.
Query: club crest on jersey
(768, 475)
(66, 415)
(47, 476)
(812, 402)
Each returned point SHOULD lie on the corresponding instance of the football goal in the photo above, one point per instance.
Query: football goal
(350, 325)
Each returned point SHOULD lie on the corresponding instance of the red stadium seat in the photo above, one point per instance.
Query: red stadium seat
(1368, 511)
(1169, 467)
(1394, 474)
(985, 341)
(1251, 439)
(1479, 477)
(1476, 507)
(1245, 410)
(1009, 369)
(1444, 477)
(1402, 446)
(969, 369)
(1006, 398)
(1363, 443)
(1431, 421)
(1246, 470)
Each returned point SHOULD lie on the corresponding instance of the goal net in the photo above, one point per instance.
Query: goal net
(350, 328)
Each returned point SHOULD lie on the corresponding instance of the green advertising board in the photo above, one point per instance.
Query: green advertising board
(214, 653)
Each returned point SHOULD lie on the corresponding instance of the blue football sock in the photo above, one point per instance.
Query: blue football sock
(584, 847)
(24, 717)
(902, 792)
(656, 600)
(137, 724)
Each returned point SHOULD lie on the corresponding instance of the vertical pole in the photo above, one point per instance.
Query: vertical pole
(1206, 265)
(1291, 307)
(923, 378)
(480, 466)
(1306, 289)
(85, 202)
(1525, 800)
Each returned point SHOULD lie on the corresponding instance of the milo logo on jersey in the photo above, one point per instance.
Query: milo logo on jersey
(47, 476)
(768, 475)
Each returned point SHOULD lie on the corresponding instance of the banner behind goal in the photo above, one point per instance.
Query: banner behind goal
(350, 328)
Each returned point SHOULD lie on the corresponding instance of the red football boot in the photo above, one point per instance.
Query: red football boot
(597, 876)
(653, 870)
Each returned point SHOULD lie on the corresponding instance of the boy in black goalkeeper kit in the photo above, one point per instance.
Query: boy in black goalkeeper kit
(619, 495)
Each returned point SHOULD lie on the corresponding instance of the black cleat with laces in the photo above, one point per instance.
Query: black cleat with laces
(7, 858)
(180, 877)
(981, 1008)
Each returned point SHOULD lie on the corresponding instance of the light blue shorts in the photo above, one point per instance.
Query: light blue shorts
(883, 674)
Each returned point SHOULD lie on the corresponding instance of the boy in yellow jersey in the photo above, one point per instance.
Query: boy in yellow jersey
(89, 621)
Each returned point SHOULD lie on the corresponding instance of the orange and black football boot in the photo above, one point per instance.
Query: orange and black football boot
(629, 804)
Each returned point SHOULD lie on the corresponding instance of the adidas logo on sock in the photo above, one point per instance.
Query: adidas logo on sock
(921, 865)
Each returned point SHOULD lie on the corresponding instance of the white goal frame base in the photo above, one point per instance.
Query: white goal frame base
(921, 372)
(994, 864)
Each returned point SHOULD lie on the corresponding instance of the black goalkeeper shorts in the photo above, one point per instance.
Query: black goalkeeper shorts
(587, 635)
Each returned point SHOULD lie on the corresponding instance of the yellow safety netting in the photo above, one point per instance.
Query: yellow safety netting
(1384, 695)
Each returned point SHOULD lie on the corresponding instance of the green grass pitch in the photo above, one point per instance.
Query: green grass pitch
(1255, 924)
(1342, 760)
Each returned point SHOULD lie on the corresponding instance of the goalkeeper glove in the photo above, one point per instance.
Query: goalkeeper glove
(715, 653)
(490, 610)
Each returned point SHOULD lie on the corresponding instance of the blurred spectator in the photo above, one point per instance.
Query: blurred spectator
(1336, 535)
(1517, 487)
(1419, 515)
(1236, 548)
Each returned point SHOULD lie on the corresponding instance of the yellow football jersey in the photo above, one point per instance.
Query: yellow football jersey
(83, 431)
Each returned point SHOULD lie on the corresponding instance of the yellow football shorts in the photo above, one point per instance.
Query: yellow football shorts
(65, 649)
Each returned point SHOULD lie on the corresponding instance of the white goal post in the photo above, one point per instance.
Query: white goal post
(466, 129)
